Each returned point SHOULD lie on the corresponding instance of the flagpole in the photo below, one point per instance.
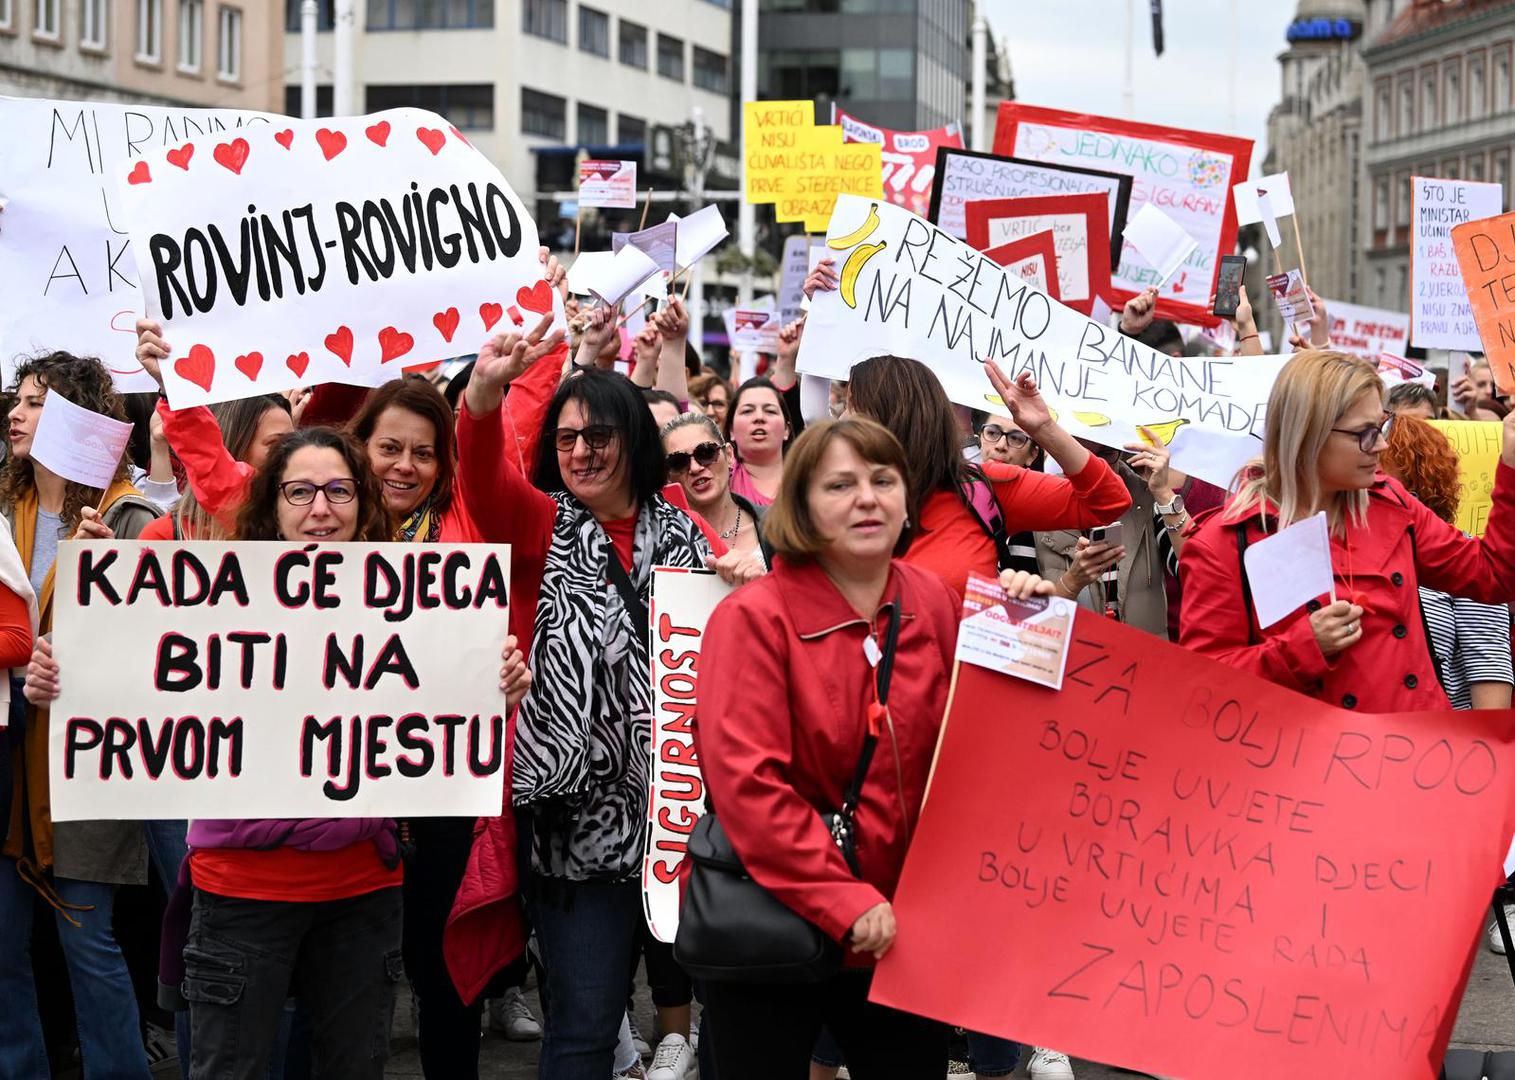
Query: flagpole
(1128, 90)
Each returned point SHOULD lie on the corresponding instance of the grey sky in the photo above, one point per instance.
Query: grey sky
(1070, 54)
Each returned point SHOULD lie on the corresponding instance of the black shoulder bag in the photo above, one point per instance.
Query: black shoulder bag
(732, 929)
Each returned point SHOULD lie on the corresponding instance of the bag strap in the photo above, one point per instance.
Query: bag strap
(883, 674)
(629, 595)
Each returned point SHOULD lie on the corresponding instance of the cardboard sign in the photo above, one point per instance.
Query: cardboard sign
(908, 157)
(1160, 241)
(271, 680)
(1485, 250)
(1441, 316)
(1201, 874)
(339, 249)
(1032, 258)
(909, 289)
(963, 176)
(67, 270)
(1366, 331)
(1478, 444)
(801, 168)
(608, 183)
(1077, 223)
(682, 601)
(1287, 570)
(1186, 174)
(78, 444)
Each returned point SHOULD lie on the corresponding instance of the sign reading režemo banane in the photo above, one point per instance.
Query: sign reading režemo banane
(269, 680)
(326, 250)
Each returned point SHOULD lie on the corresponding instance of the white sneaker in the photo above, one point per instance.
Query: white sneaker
(636, 1037)
(674, 1059)
(511, 1016)
(1049, 1065)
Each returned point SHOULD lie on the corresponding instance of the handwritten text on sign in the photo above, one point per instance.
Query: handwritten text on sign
(1440, 315)
(1486, 257)
(909, 157)
(326, 249)
(1213, 882)
(682, 601)
(277, 680)
(1478, 444)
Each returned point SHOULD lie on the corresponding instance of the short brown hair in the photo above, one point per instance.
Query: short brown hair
(415, 394)
(789, 529)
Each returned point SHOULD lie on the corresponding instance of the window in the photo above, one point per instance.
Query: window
(1381, 204)
(191, 34)
(150, 30)
(326, 14)
(1451, 93)
(711, 71)
(896, 74)
(1477, 96)
(94, 24)
(1451, 169)
(467, 106)
(1501, 82)
(5, 15)
(1428, 114)
(1383, 114)
(1499, 172)
(229, 56)
(47, 19)
(1406, 117)
(633, 45)
(594, 31)
(1476, 170)
(430, 14)
(292, 100)
(630, 130)
(594, 126)
(671, 57)
(546, 19)
(544, 114)
(1402, 205)
(792, 74)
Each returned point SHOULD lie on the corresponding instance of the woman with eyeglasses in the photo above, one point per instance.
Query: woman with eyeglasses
(1001, 439)
(1322, 453)
(711, 394)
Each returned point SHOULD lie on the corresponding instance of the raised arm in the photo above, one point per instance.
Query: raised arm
(673, 327)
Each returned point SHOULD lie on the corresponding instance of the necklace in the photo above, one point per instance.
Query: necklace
(735, 528)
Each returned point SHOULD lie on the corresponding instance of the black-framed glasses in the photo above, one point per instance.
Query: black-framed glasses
(595, 436)
(706, 454)
(1367, 438)
(303, 492)
(994, 433)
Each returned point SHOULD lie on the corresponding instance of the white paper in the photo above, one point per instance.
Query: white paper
(794, 268)
(1248, 209)
(1289, 569)
(755, 330)
(1070, 244)
(614, 279)
(1162, 242)
(1366, 331)
(608, 183)
(1101, 312)
(1269, 219)
(78, 444)
(1440, 315)
(660, 244)
(699, 233)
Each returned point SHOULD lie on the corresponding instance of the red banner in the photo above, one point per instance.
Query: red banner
(1176, 867)
(909, 158)
(1081, 238)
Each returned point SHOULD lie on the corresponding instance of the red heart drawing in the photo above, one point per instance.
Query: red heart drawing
(332, 142)
(490, 313)
(199, 367)
(139, 174)
(538, 298)
(446, 323)
(515, 315)
(339, 343)
(250, 365)
(393, 343)
(433, 139)
(181, 156)
(378, 133)
(233, 155)
(285, 137)
(298, 363)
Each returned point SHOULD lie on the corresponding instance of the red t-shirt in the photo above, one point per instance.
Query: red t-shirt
(288, 874)
(622, 537)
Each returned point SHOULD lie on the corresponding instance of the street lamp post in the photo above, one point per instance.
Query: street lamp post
(698, 143)
(308, 59)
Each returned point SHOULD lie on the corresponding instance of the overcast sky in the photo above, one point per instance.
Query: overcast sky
(1070, 54)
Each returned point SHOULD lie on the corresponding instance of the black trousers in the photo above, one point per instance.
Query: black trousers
(766, 1031)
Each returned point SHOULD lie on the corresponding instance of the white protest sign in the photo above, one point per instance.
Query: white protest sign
(682, 601)
(327, 250)
(1366, 331)
(612, 280)
(271, 680)
(794, 267)
(699, 233)
(1249, 210)
(1291, 295)
(1032, 259)
(1440, 314)
(1289, 569)
(67, 271)
(755, 330)
(1078, 245)
(659, 243)
(78, 444)
(608, 183)
(1159, 240)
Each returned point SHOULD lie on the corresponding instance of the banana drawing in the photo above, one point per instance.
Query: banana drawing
(858, 235)
(1092, 419)
(1163, 431)
(854, 266)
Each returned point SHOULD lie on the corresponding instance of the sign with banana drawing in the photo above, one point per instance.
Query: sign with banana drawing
(911, 289)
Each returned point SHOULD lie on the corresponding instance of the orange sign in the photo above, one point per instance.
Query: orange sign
(1486, 254)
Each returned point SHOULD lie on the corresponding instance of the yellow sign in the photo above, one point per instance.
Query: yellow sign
(1478, 443)
(801, 168)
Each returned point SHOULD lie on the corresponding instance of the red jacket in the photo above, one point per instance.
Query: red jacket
(784, 695)
(1382, 561)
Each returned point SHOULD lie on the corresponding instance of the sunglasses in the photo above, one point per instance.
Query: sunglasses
(303, 492)
(595, 436)
(994, 433)
(1367, 438)
(706, 454)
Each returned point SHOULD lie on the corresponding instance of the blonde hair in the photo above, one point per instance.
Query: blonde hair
(1313, 391)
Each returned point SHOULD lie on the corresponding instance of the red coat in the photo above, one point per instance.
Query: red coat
(1401, 546)
(784, 695)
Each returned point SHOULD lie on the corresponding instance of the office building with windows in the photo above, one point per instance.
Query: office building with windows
(171, 52)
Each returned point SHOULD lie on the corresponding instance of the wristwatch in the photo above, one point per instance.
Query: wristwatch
(1169, 508)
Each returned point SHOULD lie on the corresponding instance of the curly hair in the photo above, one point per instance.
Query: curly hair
(259, 517)
(1422, 459)
(86, 383)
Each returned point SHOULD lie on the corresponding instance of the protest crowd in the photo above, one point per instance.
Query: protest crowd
(852, 511)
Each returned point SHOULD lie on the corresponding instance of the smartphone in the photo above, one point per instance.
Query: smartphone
(1105, 534)
(1228, 285)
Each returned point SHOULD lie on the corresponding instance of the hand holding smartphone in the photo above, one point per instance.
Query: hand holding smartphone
(1228, 285)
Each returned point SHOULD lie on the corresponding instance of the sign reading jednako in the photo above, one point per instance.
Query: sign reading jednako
(262, 679)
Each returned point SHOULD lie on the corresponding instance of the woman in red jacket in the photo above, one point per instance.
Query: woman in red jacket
(779, 729)
(1321, 450)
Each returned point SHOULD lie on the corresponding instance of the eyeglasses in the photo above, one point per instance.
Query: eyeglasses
(1367, 438)
(706, 454)
(596, 437)
(994, 433)
(303, 492)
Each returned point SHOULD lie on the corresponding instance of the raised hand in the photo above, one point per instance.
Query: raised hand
(1139, 312)
(152, 350)
(504, 358)
(1024, 401)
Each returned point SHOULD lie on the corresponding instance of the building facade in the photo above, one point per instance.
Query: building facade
(170, 52)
